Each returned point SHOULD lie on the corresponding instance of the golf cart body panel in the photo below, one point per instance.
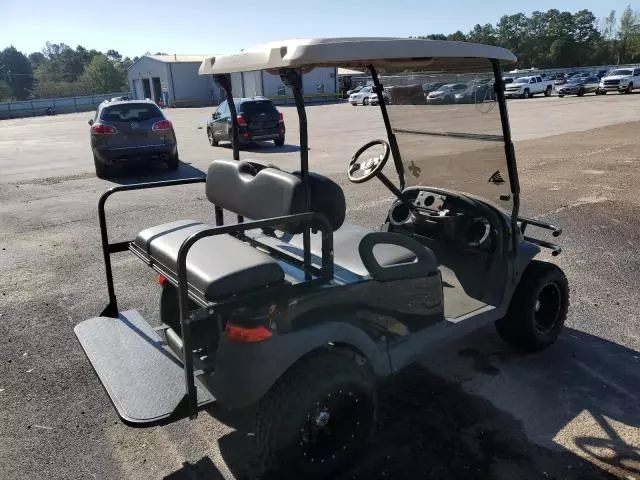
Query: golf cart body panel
(244, 304)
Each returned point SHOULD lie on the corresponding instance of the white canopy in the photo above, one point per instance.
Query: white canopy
(383, 53)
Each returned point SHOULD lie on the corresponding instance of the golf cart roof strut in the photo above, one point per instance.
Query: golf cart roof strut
(393, 143)
(509, 151)
(293, 79)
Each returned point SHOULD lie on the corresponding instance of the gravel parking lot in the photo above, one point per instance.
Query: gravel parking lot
(470, 410)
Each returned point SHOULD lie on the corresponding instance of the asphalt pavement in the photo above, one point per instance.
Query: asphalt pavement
(474, 409)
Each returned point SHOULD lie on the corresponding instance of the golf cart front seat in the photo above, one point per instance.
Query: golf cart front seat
(222, 265)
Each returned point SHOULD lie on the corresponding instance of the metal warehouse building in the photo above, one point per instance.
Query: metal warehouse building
(174, 80)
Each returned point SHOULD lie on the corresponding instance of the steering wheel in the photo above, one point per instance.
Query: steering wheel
(360, 172)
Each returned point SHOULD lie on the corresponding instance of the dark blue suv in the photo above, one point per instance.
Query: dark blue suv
(258, 119)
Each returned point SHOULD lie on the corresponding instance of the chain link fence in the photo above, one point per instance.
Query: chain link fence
(41, 106)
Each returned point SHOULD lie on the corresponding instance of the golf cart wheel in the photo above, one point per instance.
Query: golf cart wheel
(102, 171)
(365, 101)
(629, 88)
(317, 417)
(173, 162)
(538, 308)
(279, 141)
(526, 93)
(212, 141)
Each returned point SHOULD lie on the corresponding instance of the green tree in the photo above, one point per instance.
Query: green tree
(101, 76)
(16, 71)
(483, 34)
(629, 36)
(5, 91)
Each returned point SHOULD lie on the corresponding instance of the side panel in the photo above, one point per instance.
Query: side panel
(245, 372)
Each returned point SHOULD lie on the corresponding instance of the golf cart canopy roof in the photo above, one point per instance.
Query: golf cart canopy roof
(383, 53)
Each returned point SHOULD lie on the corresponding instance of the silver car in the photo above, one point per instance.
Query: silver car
(361, 97)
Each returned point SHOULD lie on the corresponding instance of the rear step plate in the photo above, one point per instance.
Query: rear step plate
(142, 376)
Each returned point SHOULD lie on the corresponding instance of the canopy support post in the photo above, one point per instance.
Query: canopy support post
(393, 143)
(509, 150)
(293, 79)
(224, 81)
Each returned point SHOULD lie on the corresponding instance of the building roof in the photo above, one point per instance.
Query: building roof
(383, 53)
(173, 58)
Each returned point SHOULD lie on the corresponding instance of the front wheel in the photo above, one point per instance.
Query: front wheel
(317, 417)
(581, 92)
(630, 88)
(560, 95)
(365, 101)
(526, 93)
(538, 308)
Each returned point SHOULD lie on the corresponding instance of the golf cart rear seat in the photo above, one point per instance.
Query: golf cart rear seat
(222, 265)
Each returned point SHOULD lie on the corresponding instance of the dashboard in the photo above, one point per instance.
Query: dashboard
(453, 221)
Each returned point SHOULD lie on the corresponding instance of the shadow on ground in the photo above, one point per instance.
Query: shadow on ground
(430, 427)
(152, 172)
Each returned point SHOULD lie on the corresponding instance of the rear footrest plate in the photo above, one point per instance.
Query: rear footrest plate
(143, 378)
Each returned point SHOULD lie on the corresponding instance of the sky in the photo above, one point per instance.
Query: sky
(207, 27)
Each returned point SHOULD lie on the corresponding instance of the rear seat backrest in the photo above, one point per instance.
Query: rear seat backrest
(258, 192)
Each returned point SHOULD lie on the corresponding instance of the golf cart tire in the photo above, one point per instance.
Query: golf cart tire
(285, 411)
(519, 326)
(173, 162)
(101, 168)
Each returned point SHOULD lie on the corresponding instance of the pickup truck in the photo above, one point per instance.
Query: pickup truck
(527, 87)
(622, 80)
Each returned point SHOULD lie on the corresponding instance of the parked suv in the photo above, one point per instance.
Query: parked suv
(124, 131)
(622, 80)
(258, 119)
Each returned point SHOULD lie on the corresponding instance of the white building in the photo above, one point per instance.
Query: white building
(174, 79)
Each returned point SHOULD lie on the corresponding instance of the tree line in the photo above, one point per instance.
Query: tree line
(61, 71)
(555, 39)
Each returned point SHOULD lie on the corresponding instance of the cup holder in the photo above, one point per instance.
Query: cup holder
(400, 214)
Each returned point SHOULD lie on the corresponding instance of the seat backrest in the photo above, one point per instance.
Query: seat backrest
(257, 191)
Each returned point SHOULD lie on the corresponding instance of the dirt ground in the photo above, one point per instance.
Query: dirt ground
(474, 409)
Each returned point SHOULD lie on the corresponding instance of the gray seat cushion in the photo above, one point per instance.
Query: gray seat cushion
(217, 266)
(345, 250)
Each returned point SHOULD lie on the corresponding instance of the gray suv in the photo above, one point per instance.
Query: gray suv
(124, 131)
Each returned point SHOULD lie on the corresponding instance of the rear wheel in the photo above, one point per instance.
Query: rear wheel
(581, 92)
(212, 140)
(538, 308)
(279, 141)
(547, 92)
(173, 162)
(560, 95)
(317, 417)
(102, 171)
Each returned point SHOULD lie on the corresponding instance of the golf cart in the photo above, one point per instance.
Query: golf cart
(298, 312)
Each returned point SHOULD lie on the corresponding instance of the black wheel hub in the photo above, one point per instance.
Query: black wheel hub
(334, 428)
(547, 308)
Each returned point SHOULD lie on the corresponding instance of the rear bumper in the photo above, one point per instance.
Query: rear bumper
(116, 155)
